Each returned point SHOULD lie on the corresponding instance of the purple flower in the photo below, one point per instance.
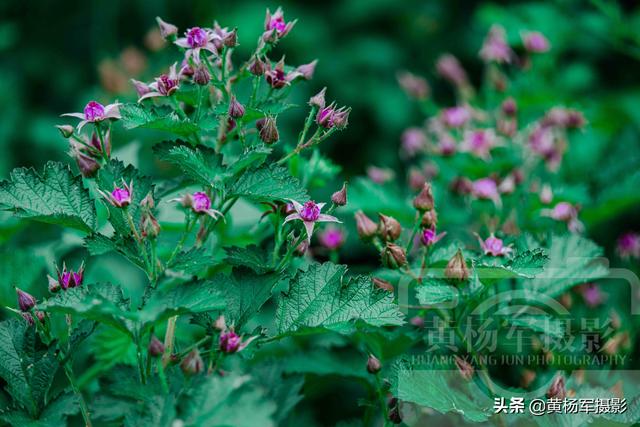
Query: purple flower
(535, 42)
(332, 238)
(414, 86)
(429, 236)
(456, 117)
(565, 212)
(591, 294)
(330, 116)
(120, 197)
(200, 203)
(275, 26)
(94, 112)
(486, 189)
(495, 47)
(309, 214)
(25, 301)
(229, 342)
(69, 278)
(197, 39)
(277, 77)
(480, 142)
(413, 141)
(494, 246)
(165, 85)
(629, 245)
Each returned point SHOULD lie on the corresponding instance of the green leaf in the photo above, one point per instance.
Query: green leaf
(269, 183)
(26, 364)
(545, 324)
(192, 297)
(192, 261)
(435, 291)
(527, 264)
(201, 164)
(254, 157)
(251, 256)
(55, 197)
(320, 297)
(136, 116)
(227, 401)
(102, 302)
(99, 244)
(572, 261)
(246, 293)
(54, 415)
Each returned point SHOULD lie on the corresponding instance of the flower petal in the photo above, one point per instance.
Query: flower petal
(327, 218)
(76, 115)
(309, 225)
(297, 206)
(292, 217)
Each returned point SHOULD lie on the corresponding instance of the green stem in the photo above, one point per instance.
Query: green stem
(84, 409)
(383, 404)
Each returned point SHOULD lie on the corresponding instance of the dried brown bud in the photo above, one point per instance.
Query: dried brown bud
(394, 256)
(373, 364)
(339, 198)
(390, 228)
(424, 200)
(365, 226)
(457, 268)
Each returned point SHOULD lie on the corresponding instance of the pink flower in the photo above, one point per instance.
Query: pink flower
(309, 214)
(69, 278)
(446, 145)
(591, 294)
(480, 142)
(429, 236)
(277, 77)
(486, 189)
(495, 47)
(275, 26)
(94, 112)
(332, 238)
(120, 197)
(413, 141)
(565, 212)
(414, 86)
(450, 69)
(379, 175)
(629, 245)
(535, 42)
(230, 342)
(456, 117)
(197, 39)
(494, 246)
(200, 203)
(165, 85)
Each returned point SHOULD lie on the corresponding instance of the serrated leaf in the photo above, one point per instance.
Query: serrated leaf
(269, 183)
(54, 415)
(572, 261)
(527, 264)
(320, 297)
(253, 157)
(251, 256)
(228, 401)
(136, 116)
(246, 293)
(201, 164)
(101, 302)
(435, 291)
(26, 364)
(192, 297)
(99, 244)
(192, 261)
(55, 197)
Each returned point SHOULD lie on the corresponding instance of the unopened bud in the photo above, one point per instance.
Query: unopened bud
(231, 39)
(429, 219)
(339, 198)
(192, 364)
(307, 70)
(365, 226)
(424, 200)
(150, 226)
(201, 75)
(65, 130)
(465, 368)
(25, 301)
(87, 165)
(156, 347)
(318, 99)
(257, 67)
(267, 130)
(457, 268)
(373, 364)
(382, 284)
(54, 285)
(394, 256)
(236, 110)
(167, 31)
(390, 228)
(557, 389)
(509, 107)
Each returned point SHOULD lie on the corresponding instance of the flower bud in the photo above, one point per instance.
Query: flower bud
(229, 342)
(382, 284)
(339, 198)
(267, 130)
(156, 347)
(201, 75)
(373, 365)
(429, 219)
(28, 318)
(192, 364)
(509, 107)
(557, 389)
(365, 226)
(307, 70)
(167, 31)
(150, 226)
(65, 130)
(54, 285)
(457, 268)
(417, 321)
(236, 110)
(465, 368)
(231, 38)
(318, 99)
(87, 165)
(25, 301)
(394, 256)
(414, 86)
(424, 200)
(389, 228)
(257, 67)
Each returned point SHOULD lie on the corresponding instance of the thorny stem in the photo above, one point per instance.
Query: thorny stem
(141, 243)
